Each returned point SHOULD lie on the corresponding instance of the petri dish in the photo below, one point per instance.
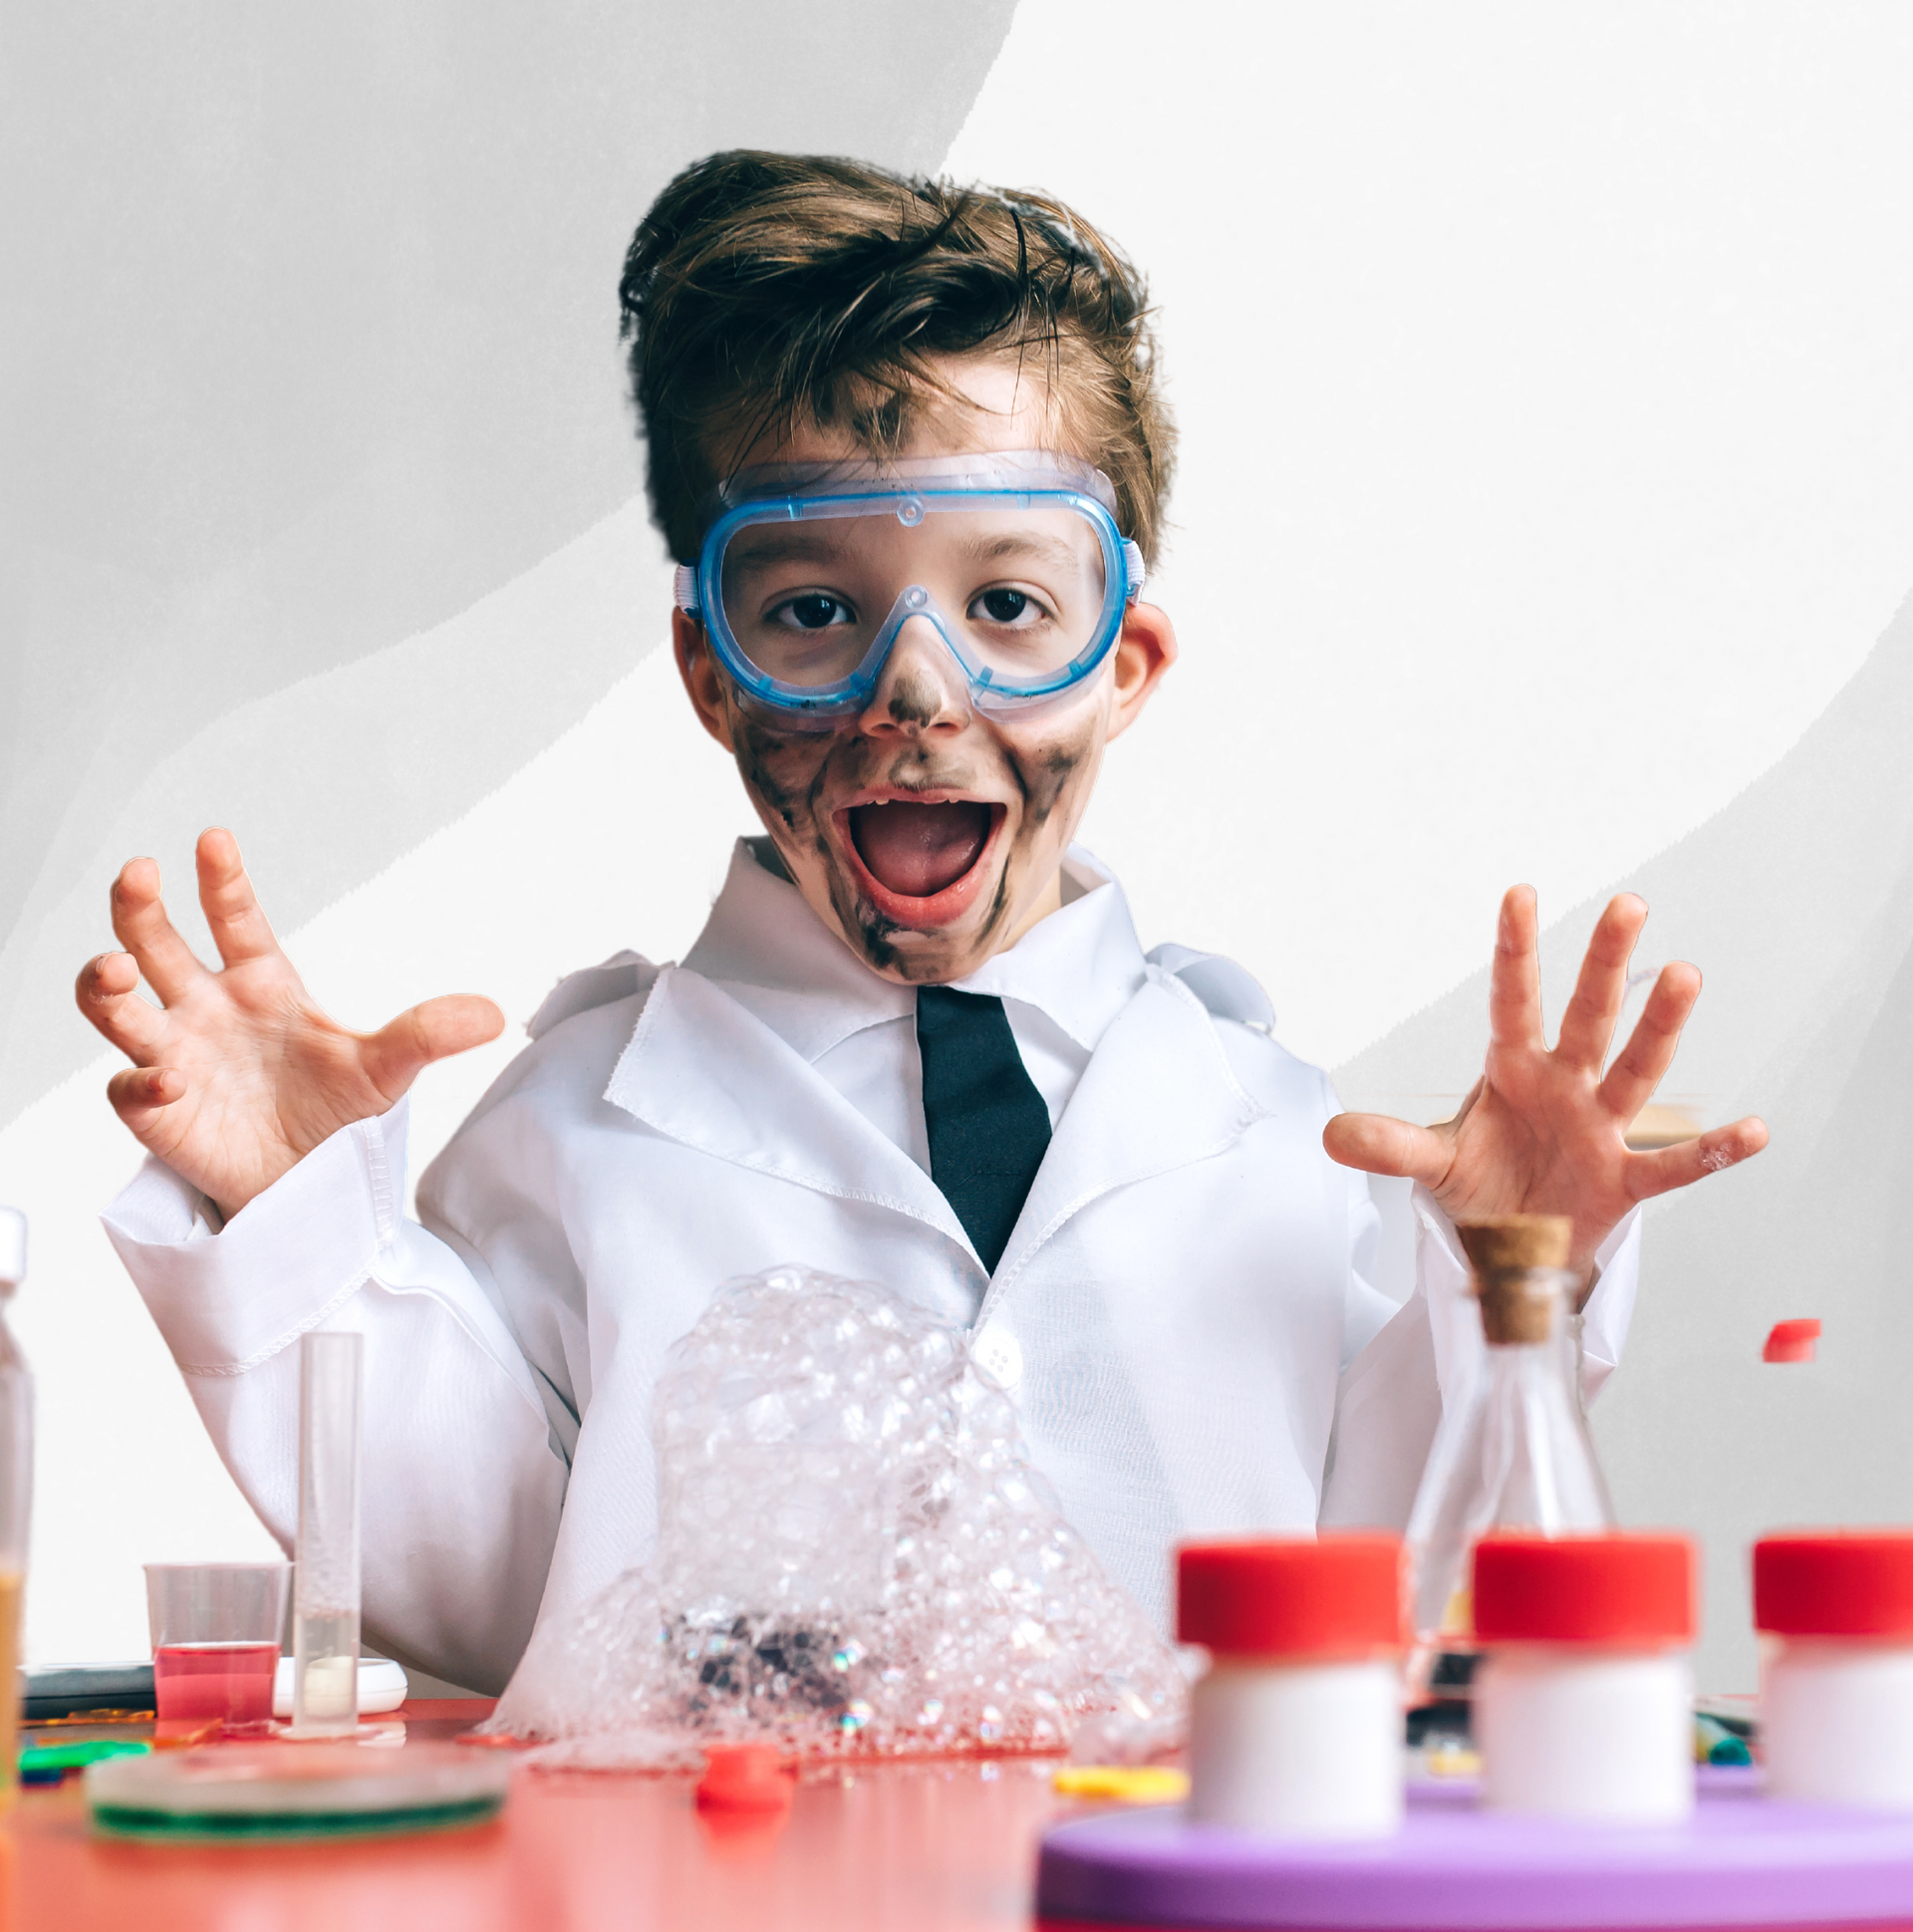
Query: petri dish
(250, 1792)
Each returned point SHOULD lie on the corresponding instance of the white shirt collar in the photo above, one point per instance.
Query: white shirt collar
(769, 951)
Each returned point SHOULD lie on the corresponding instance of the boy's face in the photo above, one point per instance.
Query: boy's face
(926, 834)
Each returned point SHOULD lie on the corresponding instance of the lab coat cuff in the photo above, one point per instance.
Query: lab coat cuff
(228, 1297)
(1443, 1276)
(1609, 1308)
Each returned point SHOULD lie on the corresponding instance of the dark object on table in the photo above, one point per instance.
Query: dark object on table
(71, 1689)
(1450, 1710)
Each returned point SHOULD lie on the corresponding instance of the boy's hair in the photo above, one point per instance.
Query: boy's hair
(763, 289)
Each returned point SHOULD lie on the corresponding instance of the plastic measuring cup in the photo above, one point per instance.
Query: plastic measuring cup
(215, 1639)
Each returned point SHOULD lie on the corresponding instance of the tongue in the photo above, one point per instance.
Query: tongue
(918, 850)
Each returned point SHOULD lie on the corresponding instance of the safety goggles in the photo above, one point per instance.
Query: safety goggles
(809, 573)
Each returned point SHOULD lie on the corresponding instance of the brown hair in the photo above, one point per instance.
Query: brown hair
(762, 289)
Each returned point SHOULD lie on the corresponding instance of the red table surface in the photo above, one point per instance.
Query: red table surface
(946, 1847)
(951, 1848)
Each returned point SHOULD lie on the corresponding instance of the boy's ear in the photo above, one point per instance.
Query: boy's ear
(698, 669)
(1143, 653)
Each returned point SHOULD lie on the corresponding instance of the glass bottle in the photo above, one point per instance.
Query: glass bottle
(1515, 1452)
(16, 1494)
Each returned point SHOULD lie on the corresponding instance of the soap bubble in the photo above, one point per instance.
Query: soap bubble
(854, 1557)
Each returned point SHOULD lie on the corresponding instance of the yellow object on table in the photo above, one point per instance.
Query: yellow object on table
(1124, 1783)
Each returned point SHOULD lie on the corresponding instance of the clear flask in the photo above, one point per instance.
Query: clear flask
(16, 1494)
(1515, 1452)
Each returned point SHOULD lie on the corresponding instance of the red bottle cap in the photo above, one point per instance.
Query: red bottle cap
(1288, 1597)
(1838, 1583)
(743, 1778)
(1624, 1591)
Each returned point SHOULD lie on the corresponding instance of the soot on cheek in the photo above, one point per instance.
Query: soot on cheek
(1048, 774)
(784, 773)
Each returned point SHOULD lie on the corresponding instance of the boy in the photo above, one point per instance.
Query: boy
(906, 446)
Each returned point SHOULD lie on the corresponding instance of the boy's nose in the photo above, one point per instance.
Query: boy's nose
(923, 688)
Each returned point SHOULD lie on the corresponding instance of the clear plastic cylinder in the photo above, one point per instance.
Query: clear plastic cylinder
(325, 1684)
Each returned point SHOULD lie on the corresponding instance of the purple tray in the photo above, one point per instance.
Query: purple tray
(1743, 1860)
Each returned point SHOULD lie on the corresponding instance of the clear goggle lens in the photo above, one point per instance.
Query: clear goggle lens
(1019, 592)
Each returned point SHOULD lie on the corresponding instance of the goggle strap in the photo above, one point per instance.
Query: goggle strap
(1133, 569)
(684, 588)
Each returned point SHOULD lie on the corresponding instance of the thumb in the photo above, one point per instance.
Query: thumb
(1380, 1144)
(401, 1050)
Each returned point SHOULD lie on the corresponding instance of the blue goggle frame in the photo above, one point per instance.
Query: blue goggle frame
(910, 489)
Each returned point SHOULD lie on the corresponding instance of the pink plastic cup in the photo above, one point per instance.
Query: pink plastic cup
(215, 1640)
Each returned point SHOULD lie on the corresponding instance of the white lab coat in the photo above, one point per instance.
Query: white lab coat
(1182, 1296)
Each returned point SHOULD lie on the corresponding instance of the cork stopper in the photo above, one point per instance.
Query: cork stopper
(1505, 1250)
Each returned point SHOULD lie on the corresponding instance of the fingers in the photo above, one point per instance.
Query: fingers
(399, 1052)
(1380, 1144)
(105, 992)
(1514, 986)
(140, 1094)
(1588, 1023)
(1647, 1174)
(140, 924)
(1649, 1053)
(239, 928)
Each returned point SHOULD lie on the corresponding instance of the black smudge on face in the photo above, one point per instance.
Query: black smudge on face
(1047, 768)
(916, 701)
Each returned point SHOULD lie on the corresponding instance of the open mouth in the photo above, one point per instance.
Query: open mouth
(916, 850)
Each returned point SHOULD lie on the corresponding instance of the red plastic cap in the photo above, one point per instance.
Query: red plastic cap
(743, 1778)
(1792, 1341)
(1840, 1583)
(1618, 1590)
(1339, 1597)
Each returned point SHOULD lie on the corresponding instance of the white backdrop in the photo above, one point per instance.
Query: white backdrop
(1547, 467)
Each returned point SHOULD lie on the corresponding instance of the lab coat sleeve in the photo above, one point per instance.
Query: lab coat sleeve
(464, 1477)
(1405, 1367)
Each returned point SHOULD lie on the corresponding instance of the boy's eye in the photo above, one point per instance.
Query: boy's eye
(814, 611)
(1003, 604)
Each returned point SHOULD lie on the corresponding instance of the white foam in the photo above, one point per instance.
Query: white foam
(854, 1556)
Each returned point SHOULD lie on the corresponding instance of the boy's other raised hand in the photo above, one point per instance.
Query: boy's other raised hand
(238, 1074)
(1543, 1131)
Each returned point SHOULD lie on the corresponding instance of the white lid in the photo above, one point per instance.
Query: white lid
(13, 1248)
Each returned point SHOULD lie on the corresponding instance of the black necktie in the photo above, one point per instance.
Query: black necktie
(988, 1126)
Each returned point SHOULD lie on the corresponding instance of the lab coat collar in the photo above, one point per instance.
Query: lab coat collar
(1082, 965)
(718, 1059)
(1157, 1094)
(771, 953)
(703, 1069)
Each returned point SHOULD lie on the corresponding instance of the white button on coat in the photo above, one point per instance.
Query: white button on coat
(996, 1353)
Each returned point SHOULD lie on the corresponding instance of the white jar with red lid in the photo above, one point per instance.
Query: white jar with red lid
(1297, 1729)
(1584, 1702)
(1835, 1610)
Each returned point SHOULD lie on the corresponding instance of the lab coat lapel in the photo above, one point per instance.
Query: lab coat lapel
(1157, 1094)
(702, 1070)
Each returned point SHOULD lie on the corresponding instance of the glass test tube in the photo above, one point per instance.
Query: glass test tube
(325, 1625)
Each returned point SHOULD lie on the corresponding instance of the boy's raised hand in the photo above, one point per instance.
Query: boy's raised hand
(238, 1074)
(1543, 1130)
